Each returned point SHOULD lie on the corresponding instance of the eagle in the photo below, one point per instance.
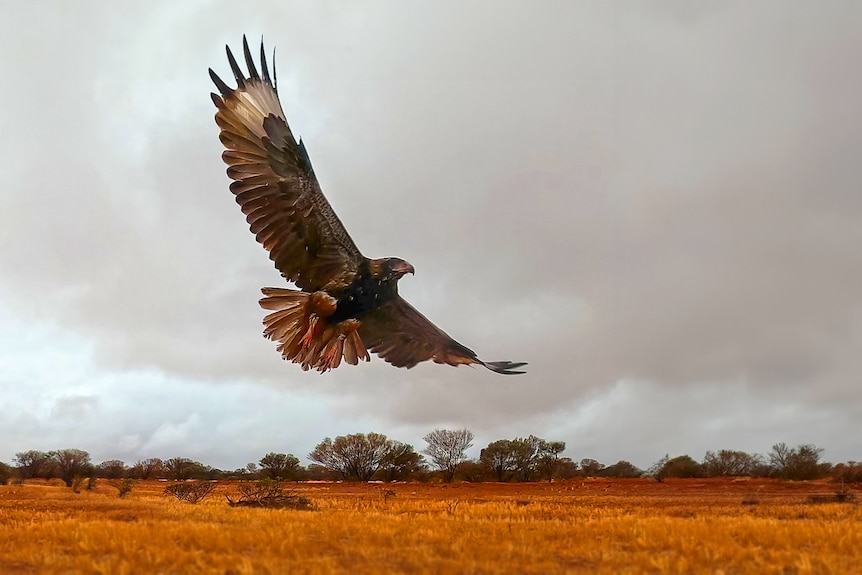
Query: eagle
(346, 304)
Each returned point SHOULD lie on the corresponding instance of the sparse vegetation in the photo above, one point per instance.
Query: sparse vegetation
(78, 483)
(799, 463)
(278, 465)
(519, 459)
(359, 456)
(149, 468)
(33, 463)
(123, 486)
(72, 465)
(447, 448)
(682, 467)
(591, 467)
(193, 491)
(6, 473)
(183, 468)
(656, 470)
(587, 525)
(730, 463)
(271, 494)
(385, 494)
(621, 470)
(850, 472)
(111, 469)
(374, 457)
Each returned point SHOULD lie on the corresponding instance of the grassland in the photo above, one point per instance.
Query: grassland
(591, 526)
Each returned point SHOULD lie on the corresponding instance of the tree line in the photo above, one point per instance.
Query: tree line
(374, 456)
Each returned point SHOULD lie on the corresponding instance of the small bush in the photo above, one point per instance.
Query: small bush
(838, 497)
(194, 492)
(385, 494)
(271, 494)
(123, 486)
(850, 472)
(6, 473)
(78, 483)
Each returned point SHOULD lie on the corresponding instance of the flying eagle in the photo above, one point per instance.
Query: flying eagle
(348, 304)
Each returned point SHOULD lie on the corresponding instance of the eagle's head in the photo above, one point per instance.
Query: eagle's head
(390, 268)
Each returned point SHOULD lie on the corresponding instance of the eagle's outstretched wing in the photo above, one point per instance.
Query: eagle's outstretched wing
(275, 184)
(402, 336)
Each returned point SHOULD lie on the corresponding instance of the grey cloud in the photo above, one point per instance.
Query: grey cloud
(170, 434)
(664, 194)
(74, 407)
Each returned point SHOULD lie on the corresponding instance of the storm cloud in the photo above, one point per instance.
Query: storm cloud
(656, 204)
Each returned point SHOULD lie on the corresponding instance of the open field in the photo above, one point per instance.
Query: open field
(583, 526)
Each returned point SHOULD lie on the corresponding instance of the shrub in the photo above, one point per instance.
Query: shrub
(682, 467)
(123, 486)
(194, 492)
(850, 472)
(472, 471)
(6, 473)
(621, 469)
(270, 494)
(78, 482)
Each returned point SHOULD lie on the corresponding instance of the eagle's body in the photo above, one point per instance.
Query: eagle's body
(346, 304)
(364, 295)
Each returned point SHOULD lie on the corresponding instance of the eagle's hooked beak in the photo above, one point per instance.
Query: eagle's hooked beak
(402, 268)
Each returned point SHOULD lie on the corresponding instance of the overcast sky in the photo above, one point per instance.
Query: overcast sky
(656, 204)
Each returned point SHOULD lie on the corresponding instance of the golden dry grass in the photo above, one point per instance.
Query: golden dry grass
(604, 526)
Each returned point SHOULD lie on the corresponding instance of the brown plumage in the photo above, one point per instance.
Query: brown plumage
(348, 304)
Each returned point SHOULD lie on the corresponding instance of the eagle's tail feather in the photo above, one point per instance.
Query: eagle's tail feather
(299, 323)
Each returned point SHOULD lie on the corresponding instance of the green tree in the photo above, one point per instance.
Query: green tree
(521, 458)
(150, 468)
(472, 471)
(591, 467)
(356, 457)
(317, 472)
(729, 463)
(72, 464)
(621, 470)
(111, 469)
(499, 458)
(400, 463)
(201, 471)
(548, 458)
(682, 466)
(182, 468)
(798, 464)
(279, 465)
(6, 472)
(850, 472)
(657, 469)
(525, 452)
(566, 468)
(32, 464)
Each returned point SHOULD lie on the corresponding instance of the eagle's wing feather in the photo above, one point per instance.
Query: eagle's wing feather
(275, 185)
(402, 336)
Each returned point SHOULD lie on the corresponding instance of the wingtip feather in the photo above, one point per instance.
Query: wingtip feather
(237, 72)
(264, 67)
(505, 367)
(249, 61)
(226, 91)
